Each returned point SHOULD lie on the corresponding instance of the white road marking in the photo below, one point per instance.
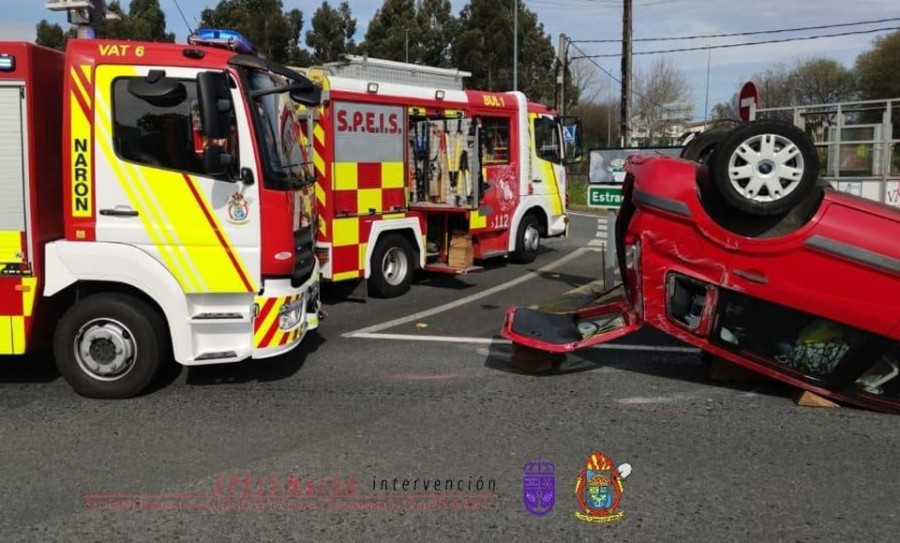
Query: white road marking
(497, 341)
(588, 215)
(472, 297)
(596, 242)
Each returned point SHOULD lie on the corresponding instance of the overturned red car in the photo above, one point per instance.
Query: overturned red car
(751, 258)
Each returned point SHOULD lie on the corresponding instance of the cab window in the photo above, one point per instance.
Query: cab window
(546, 139)
(495, 131)
(163, 136)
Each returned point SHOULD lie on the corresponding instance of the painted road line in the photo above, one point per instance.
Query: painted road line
(473, 297)
(497, 341)
(588, 215)
(596, 242)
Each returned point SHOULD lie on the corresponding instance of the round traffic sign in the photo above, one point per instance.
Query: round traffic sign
(749, 97)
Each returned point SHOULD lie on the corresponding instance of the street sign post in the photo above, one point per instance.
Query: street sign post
(608, 197)
(604, 196)
(748, 101)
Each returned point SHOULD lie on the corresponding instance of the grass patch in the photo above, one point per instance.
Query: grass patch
(578, 185)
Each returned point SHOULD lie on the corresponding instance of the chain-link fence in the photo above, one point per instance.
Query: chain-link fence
(858, 144)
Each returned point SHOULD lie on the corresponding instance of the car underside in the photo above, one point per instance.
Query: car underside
(805, 291)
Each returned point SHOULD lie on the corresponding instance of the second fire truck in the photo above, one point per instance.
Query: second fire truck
(412, 177)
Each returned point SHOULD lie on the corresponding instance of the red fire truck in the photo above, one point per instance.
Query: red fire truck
(413, 177)
(155, 204)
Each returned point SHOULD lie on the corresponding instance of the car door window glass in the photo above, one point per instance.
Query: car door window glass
(546, 139)
(802, 342)
(495, 132)
(166, 136)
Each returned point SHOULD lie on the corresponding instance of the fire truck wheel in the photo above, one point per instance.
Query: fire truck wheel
(110, 346)
(765, 167)
(391, 266)
(528, 240)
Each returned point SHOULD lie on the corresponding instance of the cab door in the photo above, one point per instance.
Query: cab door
(152, 191)
(548, 176)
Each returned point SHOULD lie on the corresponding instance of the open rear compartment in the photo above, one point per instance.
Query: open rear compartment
(444, 185)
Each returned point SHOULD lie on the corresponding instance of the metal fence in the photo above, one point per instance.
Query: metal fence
(858, 144)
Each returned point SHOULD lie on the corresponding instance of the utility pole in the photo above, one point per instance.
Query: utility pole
(515, 45)
(561, 68)
(626, 74)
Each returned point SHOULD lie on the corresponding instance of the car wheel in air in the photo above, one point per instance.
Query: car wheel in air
(765, 167)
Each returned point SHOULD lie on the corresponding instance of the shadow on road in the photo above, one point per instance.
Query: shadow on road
(686, 367)
(261, 371)
(35, 367)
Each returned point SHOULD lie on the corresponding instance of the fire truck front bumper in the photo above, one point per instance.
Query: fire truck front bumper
(285, 314)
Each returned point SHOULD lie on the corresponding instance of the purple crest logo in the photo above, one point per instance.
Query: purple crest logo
(539, 487)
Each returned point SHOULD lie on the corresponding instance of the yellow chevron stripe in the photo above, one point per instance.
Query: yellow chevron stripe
(271, 320)
(78, 87)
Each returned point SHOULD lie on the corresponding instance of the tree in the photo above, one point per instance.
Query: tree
(435, 29)
(145, 21)
(660, 91)
(821, 81)
(52, 35)
(484, 46)
(877, 68)
(332, 32)
(265, 23)
(389, 29)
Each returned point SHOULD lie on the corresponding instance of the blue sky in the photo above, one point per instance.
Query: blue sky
(602, 19)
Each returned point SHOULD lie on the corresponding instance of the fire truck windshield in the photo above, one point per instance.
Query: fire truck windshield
(278, 131)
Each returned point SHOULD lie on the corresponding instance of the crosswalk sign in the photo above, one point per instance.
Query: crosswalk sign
(569, 133)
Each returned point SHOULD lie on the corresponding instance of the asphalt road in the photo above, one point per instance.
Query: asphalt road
(430, 393)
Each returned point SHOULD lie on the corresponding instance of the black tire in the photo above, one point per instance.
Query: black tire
(526, 251)
(392, 267)
(140, 325)
(702, 148)
(767, 184)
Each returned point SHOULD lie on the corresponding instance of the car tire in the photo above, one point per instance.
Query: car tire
(111, 346)
(765, 167)
(392, 267)
(702, 148)
(528, 240)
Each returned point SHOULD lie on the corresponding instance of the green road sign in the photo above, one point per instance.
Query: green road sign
(605, 196)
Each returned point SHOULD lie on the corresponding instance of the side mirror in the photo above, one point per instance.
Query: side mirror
(214, 103)
(157, 89)
(572, 138)
(216, 161)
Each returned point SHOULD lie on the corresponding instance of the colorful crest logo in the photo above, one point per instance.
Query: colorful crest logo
(599, 488)
(539, 487)
(238, 208)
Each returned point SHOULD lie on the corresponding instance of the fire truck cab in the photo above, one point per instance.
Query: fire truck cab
(157, 203)
(416, 177)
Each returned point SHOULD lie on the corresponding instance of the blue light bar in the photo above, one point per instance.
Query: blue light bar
(7, 62)
(227, 39)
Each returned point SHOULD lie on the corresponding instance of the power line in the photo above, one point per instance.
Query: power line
(183, 18)
(617, 80)
(752, 33)
(732, 45)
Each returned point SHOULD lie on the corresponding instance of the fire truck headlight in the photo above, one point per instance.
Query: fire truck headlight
(291, 314)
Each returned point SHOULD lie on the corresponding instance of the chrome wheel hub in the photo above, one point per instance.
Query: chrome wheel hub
(394, 266)
(766, 168)
(105, 349)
